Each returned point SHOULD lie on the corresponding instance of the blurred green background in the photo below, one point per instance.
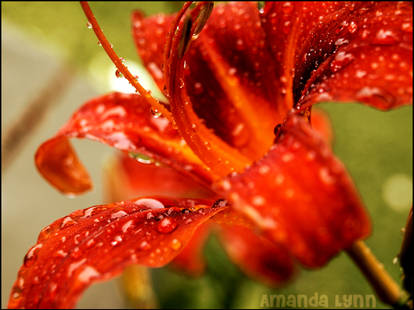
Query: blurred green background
(375, 146)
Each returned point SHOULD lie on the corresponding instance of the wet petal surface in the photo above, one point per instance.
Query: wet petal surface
(99, 242)
(360, 50)
(301, 196)
(230, 76)
(124, 122)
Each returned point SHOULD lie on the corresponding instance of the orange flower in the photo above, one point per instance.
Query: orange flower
(276, 195)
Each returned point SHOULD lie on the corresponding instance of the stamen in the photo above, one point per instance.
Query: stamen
(155, 104)
(217, 154)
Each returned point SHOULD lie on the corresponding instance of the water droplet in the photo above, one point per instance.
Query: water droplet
(116, 240)
(286, 27)
(325, 176)
(258, 200)
(31, 256)
(90, 243)
(16, 295)
(20, 283)
(150, 203)
(395, 260)
(239, 44)
(72, 267)
(232, 71)
(118, 74)
(341, 60)
(44, 233)
(360, 73)
(118, 214)
(287, 8)
(144, 245)
(87, 274)
(264, 169)
(99, 43)
(126, 226)
(198, 88)
(67, 221)
(175, 244)
(61, 253)
(385, 37)
(89, 25)
(76, 239)
(352, 27)
(155, 113)
(341, 41)
(166, 225)
(142, 158)
(407, 27)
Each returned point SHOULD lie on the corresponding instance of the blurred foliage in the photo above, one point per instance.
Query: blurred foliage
(374, 145)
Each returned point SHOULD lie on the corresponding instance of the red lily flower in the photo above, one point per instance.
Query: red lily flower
(285, 196)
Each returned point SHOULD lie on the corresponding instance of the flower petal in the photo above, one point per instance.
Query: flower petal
(301, 196)
(150, 36)
(124, 122)
(360, 50)
(190, 260)
(321, 123)
(256, 255)
(97, 243)
(230, 75)
(165, 181)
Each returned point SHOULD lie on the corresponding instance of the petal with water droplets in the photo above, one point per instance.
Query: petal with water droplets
(304, 199)
(230, 75)
(125, 122)
(98, 246)
(343, 50)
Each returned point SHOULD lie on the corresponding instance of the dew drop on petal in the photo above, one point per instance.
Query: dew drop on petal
(407, 27)
(175, 244)
(118, 214)
(352, 27)
(166, 225)
(156, 113)
(150, 203)
(67, 221)
(32, 255)
(385, 37)
(144, 245)
(45, 233)
(116, 240)
(87, 274)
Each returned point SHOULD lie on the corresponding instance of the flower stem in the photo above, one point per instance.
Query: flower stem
(385, 287)
(120, 66)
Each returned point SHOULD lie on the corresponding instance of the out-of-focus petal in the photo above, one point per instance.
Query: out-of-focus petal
(255, 254)
(97, 243)
(230, 75)
(190, 260)
(125, 122)
(301, 196)
(343, 50)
